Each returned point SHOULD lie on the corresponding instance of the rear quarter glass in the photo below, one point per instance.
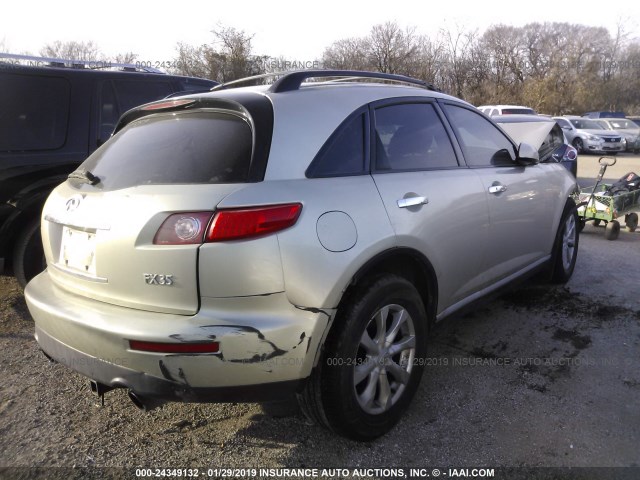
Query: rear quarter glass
(182, 148)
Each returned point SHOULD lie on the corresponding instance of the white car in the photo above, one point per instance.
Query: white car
(493, 110)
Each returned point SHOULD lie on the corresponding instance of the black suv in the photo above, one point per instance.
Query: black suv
(53, 114)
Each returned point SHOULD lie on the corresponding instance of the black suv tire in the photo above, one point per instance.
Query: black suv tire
(28, 255)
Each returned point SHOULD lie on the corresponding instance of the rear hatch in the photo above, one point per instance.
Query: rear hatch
(105, 230)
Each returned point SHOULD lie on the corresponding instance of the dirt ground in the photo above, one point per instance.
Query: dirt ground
(542, 376)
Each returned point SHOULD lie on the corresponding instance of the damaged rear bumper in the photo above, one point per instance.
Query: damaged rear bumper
(267, 346)
(148, 386)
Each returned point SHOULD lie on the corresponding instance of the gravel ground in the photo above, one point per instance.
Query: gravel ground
(542, 376)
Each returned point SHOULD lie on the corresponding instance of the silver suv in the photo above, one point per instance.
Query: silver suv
(253, 243)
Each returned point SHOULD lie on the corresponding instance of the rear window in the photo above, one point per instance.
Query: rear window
(34, 112)
(193, 147)
(518, 111)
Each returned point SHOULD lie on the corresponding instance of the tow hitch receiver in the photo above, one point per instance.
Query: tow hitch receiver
(100, 389)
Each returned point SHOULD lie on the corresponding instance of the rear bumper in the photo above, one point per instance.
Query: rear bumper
(148, 386)
(267, 345)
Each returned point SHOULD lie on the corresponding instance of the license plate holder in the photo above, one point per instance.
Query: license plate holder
(78, 251)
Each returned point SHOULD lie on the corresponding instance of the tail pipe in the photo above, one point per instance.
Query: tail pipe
(144, 403)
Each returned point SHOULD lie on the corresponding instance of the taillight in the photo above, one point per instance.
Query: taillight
(570, 154)
(252, 222)
(168, 104)
(183, 229)
(189, 228)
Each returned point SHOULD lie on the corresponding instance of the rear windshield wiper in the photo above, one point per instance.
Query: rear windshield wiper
(84, 176)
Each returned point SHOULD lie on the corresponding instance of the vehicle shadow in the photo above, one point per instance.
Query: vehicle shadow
(497, 383)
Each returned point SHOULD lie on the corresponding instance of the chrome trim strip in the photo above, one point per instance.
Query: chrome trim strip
(80, 275)
(72, 224)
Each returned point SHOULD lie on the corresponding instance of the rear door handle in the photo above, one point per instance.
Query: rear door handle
(498, 188)
(412, 201)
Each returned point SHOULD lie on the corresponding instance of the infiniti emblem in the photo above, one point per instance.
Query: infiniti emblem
(73, 203)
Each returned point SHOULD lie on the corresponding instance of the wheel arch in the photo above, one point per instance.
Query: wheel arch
(407, 263)
(27, 206)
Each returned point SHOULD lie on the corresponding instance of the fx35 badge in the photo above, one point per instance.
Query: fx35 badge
(156, 279)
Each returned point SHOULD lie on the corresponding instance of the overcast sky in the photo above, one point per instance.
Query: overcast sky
(296, 30)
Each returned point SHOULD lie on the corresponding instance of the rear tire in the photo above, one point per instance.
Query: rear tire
(28, 255)
(565, 250)
(631, 220)
(372, 361)
(612, 231)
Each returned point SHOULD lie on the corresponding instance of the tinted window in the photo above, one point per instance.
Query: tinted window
(481, 141)
(551, 143)
(33, 112)
(191, 85)
(131, 93)
(344, 152)
(515, 111)
(169, 149)
(563, 123)
(116, 97)
(109, 112)
(411, 137)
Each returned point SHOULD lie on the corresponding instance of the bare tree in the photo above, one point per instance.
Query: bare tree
(228, 58)
(556, 68)
(428, 61)
(348, 54)
(503, 46)
(72, 50)
(392, 48)
(192, 61)
(458, 47)
(128, 57)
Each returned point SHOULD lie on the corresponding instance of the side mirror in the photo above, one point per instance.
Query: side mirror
(527, 155)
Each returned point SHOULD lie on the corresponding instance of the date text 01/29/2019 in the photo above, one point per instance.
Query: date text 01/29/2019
(315, 473)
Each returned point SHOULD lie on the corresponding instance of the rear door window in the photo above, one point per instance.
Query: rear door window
(184, 148)
(411, 136)
(34, 112)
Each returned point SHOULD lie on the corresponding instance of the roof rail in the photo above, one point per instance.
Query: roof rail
(223, 86)
(289, 81)
(68, 63)
(293, 80)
